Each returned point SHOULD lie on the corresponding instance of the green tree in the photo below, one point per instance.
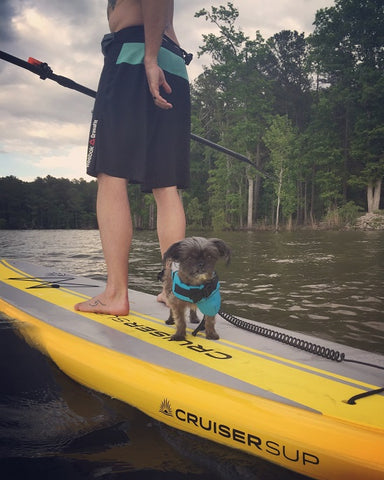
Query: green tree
(280, 138)
(322, 157)
(367, 145)
(13, 203)
(194, 213)
(47, 203)
(348, 53)
(237, 110)
(287, 66)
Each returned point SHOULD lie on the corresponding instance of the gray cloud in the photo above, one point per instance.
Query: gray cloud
(7, 12)
(77, 13)
(45, 125)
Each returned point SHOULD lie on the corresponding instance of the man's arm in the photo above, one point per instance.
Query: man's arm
(157, 15)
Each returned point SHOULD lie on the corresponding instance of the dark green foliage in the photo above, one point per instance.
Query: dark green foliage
(47, 203)
(308, 111)
(328, 88)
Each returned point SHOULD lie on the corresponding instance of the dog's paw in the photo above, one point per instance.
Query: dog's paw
(170, 321)
(193, 318)
(177, 338)
(212, 336)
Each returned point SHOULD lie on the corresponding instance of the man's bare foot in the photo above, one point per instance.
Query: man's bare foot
(101, 304)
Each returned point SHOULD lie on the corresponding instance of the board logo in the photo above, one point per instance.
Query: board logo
(166, 408)
(233, 436)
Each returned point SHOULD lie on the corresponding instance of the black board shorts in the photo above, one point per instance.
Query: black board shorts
(130, 137)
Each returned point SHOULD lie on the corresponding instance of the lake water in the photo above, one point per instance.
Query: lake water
(329, 284)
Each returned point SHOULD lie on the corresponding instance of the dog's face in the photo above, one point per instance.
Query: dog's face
(197, 257)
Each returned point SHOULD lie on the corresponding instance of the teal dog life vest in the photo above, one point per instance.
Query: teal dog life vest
(206, 297)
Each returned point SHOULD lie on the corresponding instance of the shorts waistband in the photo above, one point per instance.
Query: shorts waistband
(136, 34)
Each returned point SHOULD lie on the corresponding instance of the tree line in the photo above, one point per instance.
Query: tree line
(47, 203)
(306, 111)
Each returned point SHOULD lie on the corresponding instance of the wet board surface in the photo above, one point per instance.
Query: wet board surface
(246, 391)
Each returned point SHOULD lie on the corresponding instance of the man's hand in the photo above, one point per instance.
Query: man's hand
(156, 80)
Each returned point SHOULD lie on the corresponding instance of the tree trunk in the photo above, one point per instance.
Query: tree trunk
(305, 207)
(257, 186)
(289, 224)
(251, 185)
(299, 203)
(151, 219)
(312, 210)
(377, 195)
(278, 200)
(374, 195)
(346, 154)
(256, 195)
(240, 209)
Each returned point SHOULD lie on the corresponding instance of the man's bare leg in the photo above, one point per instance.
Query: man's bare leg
(170, 220)
(115, 225)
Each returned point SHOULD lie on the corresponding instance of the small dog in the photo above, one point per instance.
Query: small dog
(195, 283)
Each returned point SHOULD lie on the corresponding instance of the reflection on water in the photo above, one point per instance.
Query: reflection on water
(329, 284)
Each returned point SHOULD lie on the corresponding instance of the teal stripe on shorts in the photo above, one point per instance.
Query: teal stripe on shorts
(133, 53)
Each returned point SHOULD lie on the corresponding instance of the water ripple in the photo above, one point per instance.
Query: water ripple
(314, 282)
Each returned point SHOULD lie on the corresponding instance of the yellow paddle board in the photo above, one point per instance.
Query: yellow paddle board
(310, 414)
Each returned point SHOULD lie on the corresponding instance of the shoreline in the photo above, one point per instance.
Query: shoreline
(365, 222)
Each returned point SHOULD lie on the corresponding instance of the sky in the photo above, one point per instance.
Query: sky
(43, 126)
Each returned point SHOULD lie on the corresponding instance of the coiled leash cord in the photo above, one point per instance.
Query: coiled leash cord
(296, 342)
(281, 337)
(299, 343)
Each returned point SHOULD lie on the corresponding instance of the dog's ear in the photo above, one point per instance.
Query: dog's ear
(222, 248)
(173, 253)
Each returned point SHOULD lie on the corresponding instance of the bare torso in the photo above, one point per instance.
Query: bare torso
(127, 13)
